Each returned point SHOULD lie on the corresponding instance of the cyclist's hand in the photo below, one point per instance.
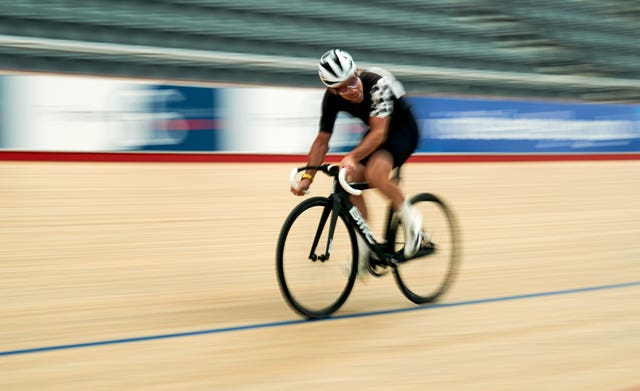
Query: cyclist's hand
(303, 187)
(349, 164)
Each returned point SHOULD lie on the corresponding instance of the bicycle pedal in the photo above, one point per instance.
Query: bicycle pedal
(377, 268)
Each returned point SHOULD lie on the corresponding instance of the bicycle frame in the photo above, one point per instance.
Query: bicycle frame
(340, 201)
(383, 256)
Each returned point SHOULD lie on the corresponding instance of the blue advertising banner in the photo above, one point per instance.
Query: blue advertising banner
(185, 119)
(64, 113)
(506, 126)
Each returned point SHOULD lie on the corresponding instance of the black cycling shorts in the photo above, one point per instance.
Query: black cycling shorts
(401, 143)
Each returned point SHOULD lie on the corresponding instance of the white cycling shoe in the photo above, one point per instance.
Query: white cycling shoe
(412, 222)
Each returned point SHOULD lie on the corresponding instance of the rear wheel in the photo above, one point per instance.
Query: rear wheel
(424, 278)
(312, 284)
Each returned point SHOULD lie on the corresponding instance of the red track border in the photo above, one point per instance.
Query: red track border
(168, 157)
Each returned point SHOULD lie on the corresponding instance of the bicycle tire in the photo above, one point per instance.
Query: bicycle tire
(425, 279)
(325, 285)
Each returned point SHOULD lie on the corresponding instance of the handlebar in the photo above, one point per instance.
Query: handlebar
(345, 185)
(330, 170)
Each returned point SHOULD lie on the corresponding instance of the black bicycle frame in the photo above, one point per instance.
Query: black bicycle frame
(339, 201)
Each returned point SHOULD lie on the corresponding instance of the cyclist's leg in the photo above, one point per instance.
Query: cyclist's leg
(399, 145)
(393, 153)
(377, 173)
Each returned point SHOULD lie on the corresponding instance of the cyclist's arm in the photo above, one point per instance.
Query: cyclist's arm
(379, 119)
(378, 128)
(315, 157)
(318, 150)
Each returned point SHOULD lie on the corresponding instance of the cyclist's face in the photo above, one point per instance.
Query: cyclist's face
(351, 90)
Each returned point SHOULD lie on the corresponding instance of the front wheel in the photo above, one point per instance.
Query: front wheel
(316, 273)
(424, 278)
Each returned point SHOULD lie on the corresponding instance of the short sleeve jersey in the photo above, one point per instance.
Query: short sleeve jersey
(378, 101)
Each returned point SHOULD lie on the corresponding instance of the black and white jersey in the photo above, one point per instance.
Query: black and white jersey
(378, 101)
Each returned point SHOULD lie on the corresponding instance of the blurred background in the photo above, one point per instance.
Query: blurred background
(107, 248)
(218, 75)
(575, 49)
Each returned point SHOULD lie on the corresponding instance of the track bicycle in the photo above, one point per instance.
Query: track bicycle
(317, 251)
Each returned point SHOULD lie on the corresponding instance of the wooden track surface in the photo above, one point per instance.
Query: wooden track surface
(97, 252)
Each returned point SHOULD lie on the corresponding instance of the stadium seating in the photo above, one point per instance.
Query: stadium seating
(442, 46)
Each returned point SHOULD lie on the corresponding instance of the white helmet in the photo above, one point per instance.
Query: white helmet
(336, 66)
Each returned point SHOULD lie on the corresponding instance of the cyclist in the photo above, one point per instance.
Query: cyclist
(376, 98)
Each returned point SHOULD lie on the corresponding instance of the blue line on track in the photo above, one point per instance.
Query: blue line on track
(333, 318)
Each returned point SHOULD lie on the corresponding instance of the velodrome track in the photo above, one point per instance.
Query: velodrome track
(160, 276)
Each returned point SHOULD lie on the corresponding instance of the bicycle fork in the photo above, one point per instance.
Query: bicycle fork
(332, 209)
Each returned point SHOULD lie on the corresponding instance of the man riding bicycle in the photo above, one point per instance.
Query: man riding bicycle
(392, 136)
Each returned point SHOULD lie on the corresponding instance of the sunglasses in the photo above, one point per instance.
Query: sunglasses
(353, 83)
